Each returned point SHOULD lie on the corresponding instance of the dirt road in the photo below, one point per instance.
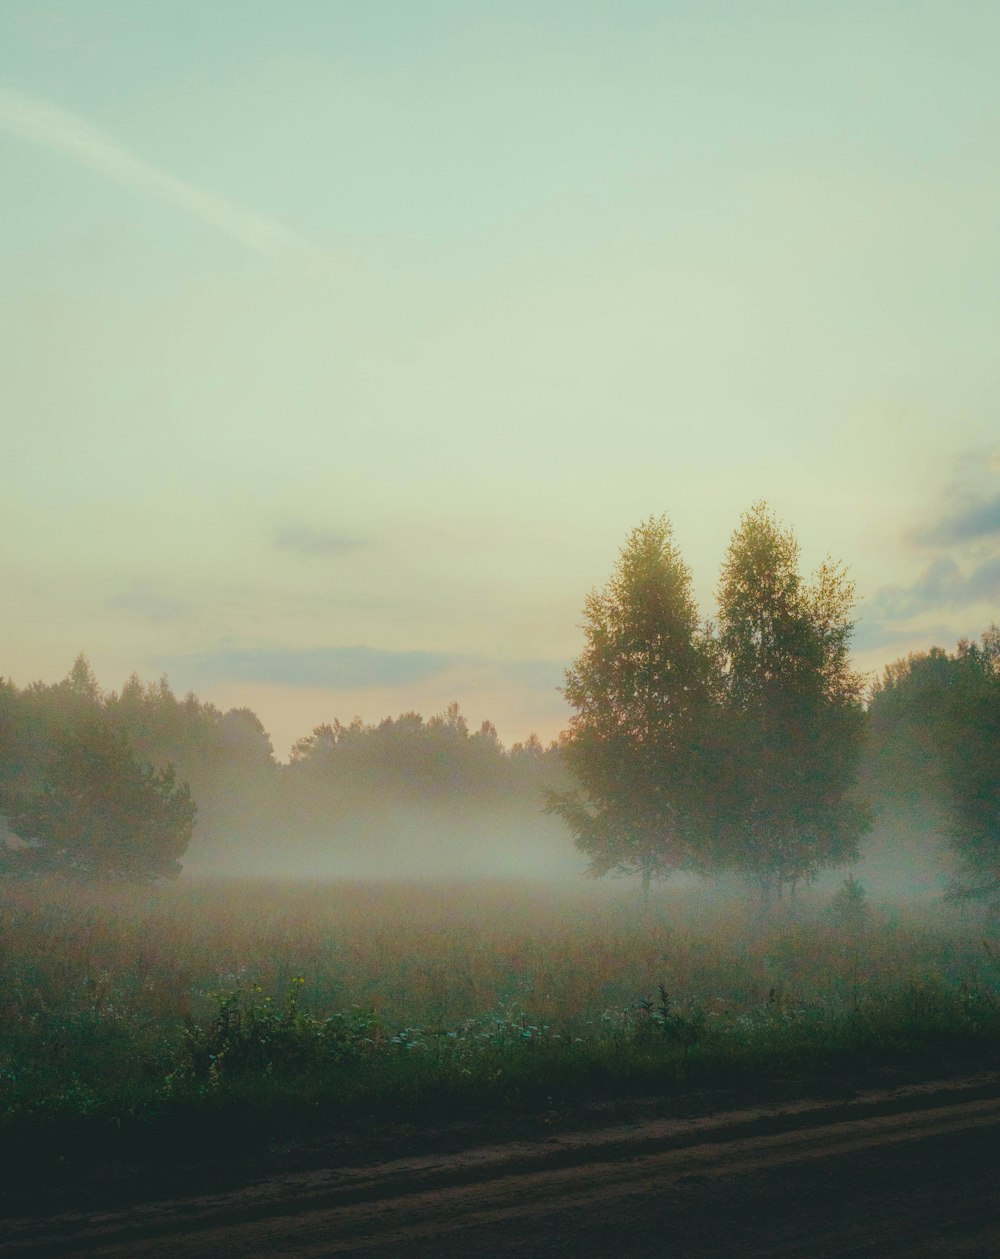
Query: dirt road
(910, 1172)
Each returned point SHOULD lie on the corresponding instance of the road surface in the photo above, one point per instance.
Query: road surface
(910, 1172)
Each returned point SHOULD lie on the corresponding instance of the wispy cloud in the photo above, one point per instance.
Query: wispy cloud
(143, 601)
(331, 668)
(943, 586)
(541, 675)
(351, 668)
(315, 543)
(40, 122)
(961, 542)
(965, 523)
(870, 635)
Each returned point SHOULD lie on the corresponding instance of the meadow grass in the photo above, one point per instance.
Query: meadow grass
(210, 1008)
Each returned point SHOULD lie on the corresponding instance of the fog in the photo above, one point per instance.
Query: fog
(398, 843)
(904, 861)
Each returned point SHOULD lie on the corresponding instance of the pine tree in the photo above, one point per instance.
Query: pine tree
(102, 813)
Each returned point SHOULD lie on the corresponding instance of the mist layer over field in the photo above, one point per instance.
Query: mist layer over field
(392, 842)
(903, 862)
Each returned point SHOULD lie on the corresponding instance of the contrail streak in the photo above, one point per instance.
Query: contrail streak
(42, 123)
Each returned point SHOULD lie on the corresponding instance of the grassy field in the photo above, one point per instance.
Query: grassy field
(201, 1011)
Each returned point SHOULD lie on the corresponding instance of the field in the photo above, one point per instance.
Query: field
(203, 1015)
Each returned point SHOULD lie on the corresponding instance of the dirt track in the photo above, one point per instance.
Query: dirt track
(907, 1172)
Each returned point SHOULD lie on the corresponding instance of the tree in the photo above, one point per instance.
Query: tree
(935, 742)
(969, 742)
(643, 689)
(794, 719)
(244, 741)
(81, 684)
(904, 756)
(102, 813)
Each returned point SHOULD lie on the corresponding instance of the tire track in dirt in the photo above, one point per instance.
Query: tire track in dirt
(580, 1181)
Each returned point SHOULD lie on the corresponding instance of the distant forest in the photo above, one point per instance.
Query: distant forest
(350, 797)
(135, 783)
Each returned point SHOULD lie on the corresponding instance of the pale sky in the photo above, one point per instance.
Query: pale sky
(342, 344)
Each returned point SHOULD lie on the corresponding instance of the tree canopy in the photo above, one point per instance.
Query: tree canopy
(101, 812)
(710, 749)
(935, 738)
(793, 712)
(642, 689)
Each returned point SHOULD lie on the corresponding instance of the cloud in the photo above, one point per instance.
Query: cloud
(967, 523)
(944, 584)
(147, 603)
(332, 668)
(964, 541)
(315, 542)
(39, 122)
(539, 675)
(871, 635)
(350, 668)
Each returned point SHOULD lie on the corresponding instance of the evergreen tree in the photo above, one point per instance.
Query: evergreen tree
(102, 813)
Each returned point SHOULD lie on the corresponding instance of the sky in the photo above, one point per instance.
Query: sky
(342, 344)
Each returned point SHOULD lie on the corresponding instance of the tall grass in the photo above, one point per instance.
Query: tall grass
(128, 1009)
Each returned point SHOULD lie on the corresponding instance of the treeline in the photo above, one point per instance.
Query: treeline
(126, 784)
(415, 759)
(743, 745)
(133, 783)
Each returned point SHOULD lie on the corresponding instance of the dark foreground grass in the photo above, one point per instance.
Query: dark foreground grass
(124, 1046)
